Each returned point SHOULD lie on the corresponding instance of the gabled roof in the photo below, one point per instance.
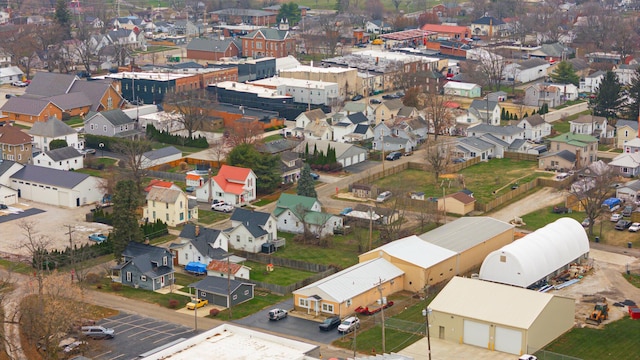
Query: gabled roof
(494, 140)
(509, 130)
(461, 197)
(13, 135)
(315, 114)
(70, 101)
(25, 105)
(488, 20)
(579, 140)
(357, 118)
(142, 256)
(224, 266)
(517, 144)
(596, 74)
(164, 195)
(406, 111)
(64, 153)
(52, 128)
(483, 105)
(218, 285)
(475, 143)
(159, 183)
(414, 250)
(46, 83)
(589, 119)
(298, 204)
(252, 220)
(212, 45)
(94, 90)
(205, 241)
(532, 63)
(354, 106)
(53, 177)
(116, 117)
(632, 185)
(268, 33)
(280, 146)
(534, 120)
(630, 123)
(162, 152)
(564, 154)
(361, 129)
(628, 160)
(232, 179)
(393, 104)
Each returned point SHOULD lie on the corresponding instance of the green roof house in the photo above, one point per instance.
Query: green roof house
(585, 147)
(295, 212)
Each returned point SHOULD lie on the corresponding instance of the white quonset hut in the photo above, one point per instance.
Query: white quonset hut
(539, 255)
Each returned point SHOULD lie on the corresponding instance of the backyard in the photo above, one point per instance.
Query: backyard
(486, 179)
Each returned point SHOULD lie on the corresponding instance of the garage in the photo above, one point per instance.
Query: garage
(476, 334)
(217, 290)
(508, 340)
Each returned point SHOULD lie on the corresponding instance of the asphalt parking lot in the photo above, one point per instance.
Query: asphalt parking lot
(136, 335)
(292, 326)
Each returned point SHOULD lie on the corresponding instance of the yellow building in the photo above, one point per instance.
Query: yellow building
(457, 203)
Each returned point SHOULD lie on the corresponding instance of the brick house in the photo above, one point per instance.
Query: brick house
(269, 42)
(212, 49)
(15, 144)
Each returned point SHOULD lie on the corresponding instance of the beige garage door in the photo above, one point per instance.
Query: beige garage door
(476, 333)
(508, 340)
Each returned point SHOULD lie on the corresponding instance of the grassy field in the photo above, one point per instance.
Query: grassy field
(542, 217)
(209, 217)
(483, 179)
(260, 301)
(279, 276)
(563, 126)
(141, 294)
(618, 340)
(273, 137)
(75, 121)
(106, 161)
(370, 341)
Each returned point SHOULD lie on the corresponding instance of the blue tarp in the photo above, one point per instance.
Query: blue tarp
(611, 202)
(196, 267)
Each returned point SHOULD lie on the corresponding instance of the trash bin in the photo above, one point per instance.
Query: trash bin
(597, 239)
(629, 244)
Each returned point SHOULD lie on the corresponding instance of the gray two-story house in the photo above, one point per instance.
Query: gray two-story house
(145, 266)
(112, 123)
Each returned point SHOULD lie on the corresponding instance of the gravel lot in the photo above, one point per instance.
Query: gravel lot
(540, 199)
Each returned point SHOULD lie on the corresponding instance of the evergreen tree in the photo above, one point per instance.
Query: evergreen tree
(631, 110)
(306, 186)
(126, 201)
(502, 114)
(608, 100)
(526, 115)
(62, 17)
(507, 115)
(57, 144)
(565, 74)
(533, 112)
(306, 150)
(291, 12)
(265, 166)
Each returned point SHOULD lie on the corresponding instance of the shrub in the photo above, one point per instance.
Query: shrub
(173, 303)
(92, 278)
(99, 286)
(183, 166)
(214, 312)
(116, 286)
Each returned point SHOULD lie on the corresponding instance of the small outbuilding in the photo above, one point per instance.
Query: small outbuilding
(222, 291)
(499, 317)
(538, 256)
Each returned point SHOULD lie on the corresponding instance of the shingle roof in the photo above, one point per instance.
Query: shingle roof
(163, 195)
(218, 285)
(5, 165)
(361, 129)
(535, 120)
(94, 90)
(51, 128)
(564, 154)
(357, 118)
(162, 152)
(298, 204)
(46, 83)
(205, 241)
(406, 111)
(63, 153)
(116, 117)
(531, 63)
(315, 114)
(53, 177)
(142, 255)
(252, 220)
(575, 139)
(491, 129)
(12, 135)
(630, 123)
(393, 104)
(488, 20)
(483, 105)
(25, 105)
(269, 34)
(70, 101)
(232, 178)
(475, 142)
(588, 119)
(213, 45)
(462, 197)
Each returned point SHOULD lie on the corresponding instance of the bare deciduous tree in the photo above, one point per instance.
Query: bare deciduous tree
(438, 114)
(244, 132)
(193, 106)
(592, 189)
(492, 67)
(438, 156)
(133, 159)
(36, 246)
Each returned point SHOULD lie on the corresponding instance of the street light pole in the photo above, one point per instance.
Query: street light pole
(101, 145)
(425, 313)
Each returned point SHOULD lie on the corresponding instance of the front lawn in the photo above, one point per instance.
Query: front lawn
(273, 137)
(279, 276)
(105, 161)
(209, 217)
(92, 172)
(107, 286)
(542, 217)
(370, 341)
(75, 121)
(186, 150)
(261, 299)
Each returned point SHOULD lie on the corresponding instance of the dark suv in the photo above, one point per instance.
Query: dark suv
(394, 156)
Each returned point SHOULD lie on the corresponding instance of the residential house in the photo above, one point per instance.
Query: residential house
(302, 214)
(418, 127)
(199, 244)
(363, 191)
(234, 185)
(526, 71)
(346, 154)
(471, 147)
(223, 292)
(306, 118)
(630, 191)
(378, 27)
(631, 146)
(592, 125)
(212, 49)
(505, 133)
(251, 229)
(68, 189)
(488, 27)
(185, 27)
(318, 130)
(585, 147)
(527, 147)
(227, 270)
(625, 73)
(10, 74)
(388, 110)
(535, 128)
(129, 22)
(457, 203)
(626, 130)
(360, 133)
(379, 215)
(540, 94)
(53, 129)
(591, 82)
(170, 206)
(568, 92)
(387, 139)
(626, 164)
(112, 123)
(145, 266)
(66, 158)
(291, 166)
(468, 90)
(160, 156)
(486, 111)
(15, 144)
(558, 161)
(352, 107)
(161, 184)
(268, 42)
(133, 39)
(93, 22)
(499, 146)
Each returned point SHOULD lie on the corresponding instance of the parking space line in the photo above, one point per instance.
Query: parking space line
(117, 357)
(104, 354)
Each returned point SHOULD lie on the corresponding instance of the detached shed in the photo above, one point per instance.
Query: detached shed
(539, 255)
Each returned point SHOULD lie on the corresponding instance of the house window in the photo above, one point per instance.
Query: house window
(303, 303)
(246, 293)
(166, 206)
(128, 276)
(250, 239)
(327, 308)
(199, 258)
(104, 128)
(167, 217)
(181, 216)
(164, 261)
(143, 278)
(238, 238)
(285, 221)
(153, 203)
(186, 256)
(235, 297)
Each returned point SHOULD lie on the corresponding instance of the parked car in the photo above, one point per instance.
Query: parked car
(3, 207)
(349, 324)
(615, 217)
(346, 210)
(315, 176)
(627, 211)
(586, 222)
(98, 332)
(19, 83)
(622, 224)
(375, 101)
(277, 314)
(197, 303)
(330, 323)
(634, 227)
(391, 96)
(97, 237)
(356, 98)
(458, 160)
(560, 210)
(383, 196)
(394, 156)
(222, 207)
(74, 347)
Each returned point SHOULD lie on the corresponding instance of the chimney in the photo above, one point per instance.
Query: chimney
(197, 230)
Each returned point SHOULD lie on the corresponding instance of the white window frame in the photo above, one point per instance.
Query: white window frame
(328, 308)
(143, 278)
(128, 276)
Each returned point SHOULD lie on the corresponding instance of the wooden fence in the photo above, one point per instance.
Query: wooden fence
(167, 175)
(520, 156)
(284, 290)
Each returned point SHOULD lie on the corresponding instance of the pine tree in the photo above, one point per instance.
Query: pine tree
(564, 74)
(608, 100)
(533, 112)
(502, 114)
(125, 222)
(526, 115)
(631, 110)
(306, 186)
(62, 17)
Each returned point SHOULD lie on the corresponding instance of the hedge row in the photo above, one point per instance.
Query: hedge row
(165, 137)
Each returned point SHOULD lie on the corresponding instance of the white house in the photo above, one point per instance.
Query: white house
(234, 185)
(251, 229)
(591, 82)
(591, 125)
(294, 212)
(170, 206)
(53, 129)
(504, 133)
(377, 27)
(199, 244)
(8, 195)
(471, 147)
(10, 74)
(625, 73)
(346, 154)
(66, 158)
(462, 89)
(486, 111)
(56, 187)
(226, 269)
(626, 164)
(535, 128)
(568, 92)
(526, 71)
(160, 156)
(303, 91)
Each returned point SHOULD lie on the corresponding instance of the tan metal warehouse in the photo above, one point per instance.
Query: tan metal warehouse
(471, 238)
(499, 317)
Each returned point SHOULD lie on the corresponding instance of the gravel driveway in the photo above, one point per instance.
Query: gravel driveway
(540, 199)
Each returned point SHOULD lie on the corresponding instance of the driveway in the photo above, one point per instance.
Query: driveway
(291, 325)
(540, 199)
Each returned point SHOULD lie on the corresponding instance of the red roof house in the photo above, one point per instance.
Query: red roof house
(221, 268)
(234, 185)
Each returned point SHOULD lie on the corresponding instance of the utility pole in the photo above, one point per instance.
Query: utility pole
(380, 288)
(370, 227)
(229, 284)
(71, 252)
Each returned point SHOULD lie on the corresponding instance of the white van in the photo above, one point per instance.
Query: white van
(384, 196)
